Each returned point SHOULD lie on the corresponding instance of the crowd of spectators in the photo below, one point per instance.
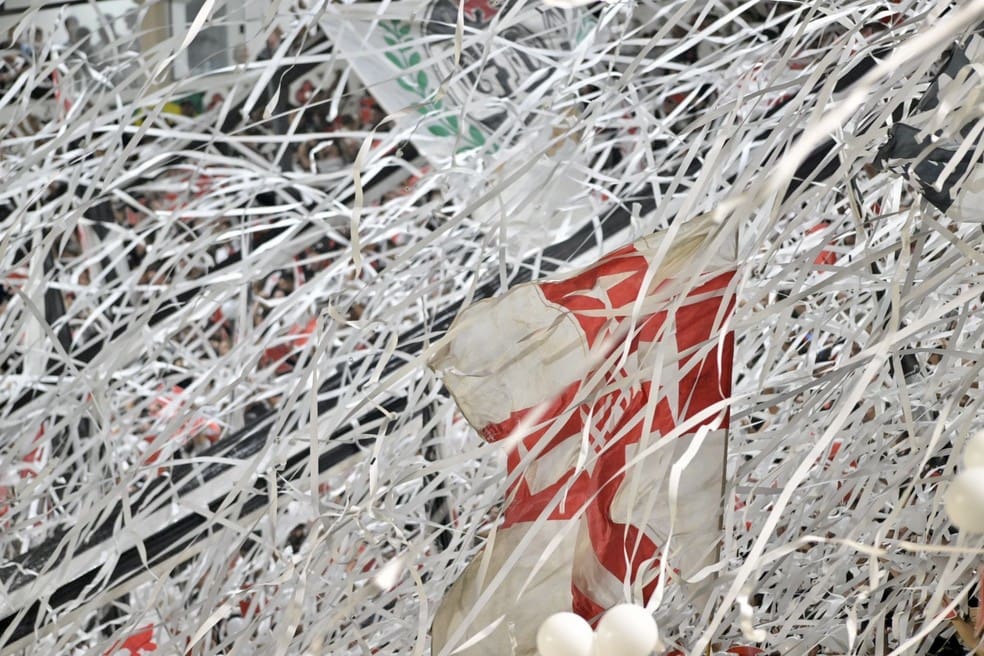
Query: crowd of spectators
(16, 54)
(356, 115)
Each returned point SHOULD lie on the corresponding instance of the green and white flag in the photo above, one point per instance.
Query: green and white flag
(482, 93)
(459, 97)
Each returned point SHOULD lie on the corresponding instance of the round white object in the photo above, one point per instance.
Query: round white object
(964, 500)
(235, 625)
(626, 630)
(565, 634)
(974, 453)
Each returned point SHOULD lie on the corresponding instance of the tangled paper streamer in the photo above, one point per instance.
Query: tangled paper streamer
(218, 434)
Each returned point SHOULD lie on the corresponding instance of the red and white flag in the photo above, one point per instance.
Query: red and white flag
(608, 389)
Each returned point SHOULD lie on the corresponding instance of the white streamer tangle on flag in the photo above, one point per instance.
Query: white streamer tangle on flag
(580, 378)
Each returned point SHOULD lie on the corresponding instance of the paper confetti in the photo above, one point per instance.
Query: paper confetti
(218, 433)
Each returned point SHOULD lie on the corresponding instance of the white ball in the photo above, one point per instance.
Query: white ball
(235, 625)
(974, 453)
(964, 500)
(564, 634)
(626, 630)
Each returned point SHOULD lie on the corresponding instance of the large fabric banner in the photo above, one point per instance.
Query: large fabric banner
(607, 389)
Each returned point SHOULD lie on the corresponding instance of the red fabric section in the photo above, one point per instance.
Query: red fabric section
(137, 643)
(584, 606)
(615, 282)
(297, 337)
(616, 278)
(825, 258)
(740, 650)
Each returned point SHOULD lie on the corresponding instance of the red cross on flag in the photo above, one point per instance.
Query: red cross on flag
(608, 391)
